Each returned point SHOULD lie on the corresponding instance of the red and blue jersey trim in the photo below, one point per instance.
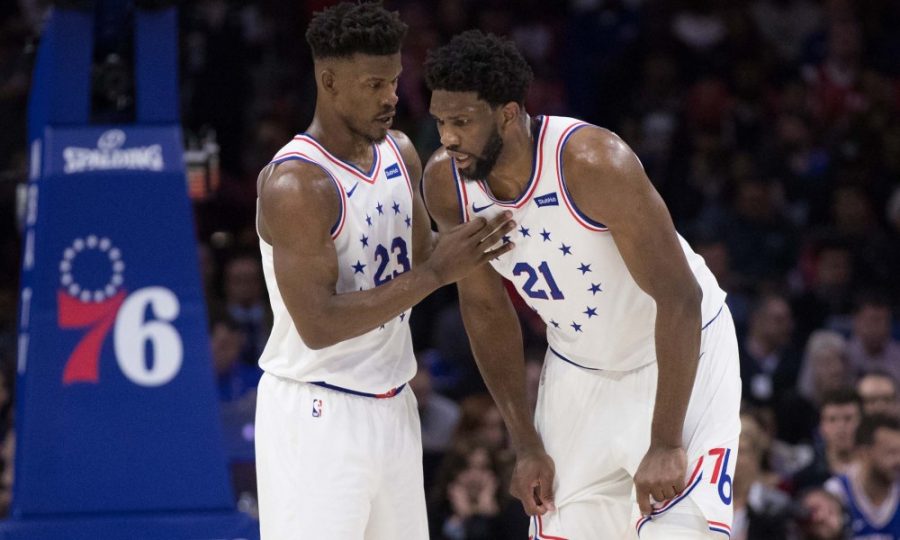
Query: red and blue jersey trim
(461, 194)
(342, 195)
(579, 216)
(368, 177)
(539, 531)
(694, 480)
(536, 167)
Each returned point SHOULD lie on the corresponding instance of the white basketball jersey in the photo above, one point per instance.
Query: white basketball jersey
(568, 268)
(373, 239)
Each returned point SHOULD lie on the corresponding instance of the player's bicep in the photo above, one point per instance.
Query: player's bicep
(609, 184)
(651, 250)
(299, 213)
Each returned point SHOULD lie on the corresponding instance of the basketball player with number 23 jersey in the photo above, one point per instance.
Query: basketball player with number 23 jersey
(347, 250)
(637, 420)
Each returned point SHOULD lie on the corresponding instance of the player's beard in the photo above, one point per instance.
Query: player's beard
(484, 163)
(373, 135)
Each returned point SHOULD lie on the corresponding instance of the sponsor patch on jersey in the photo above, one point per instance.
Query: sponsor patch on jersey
(549, 199)
(393, 171)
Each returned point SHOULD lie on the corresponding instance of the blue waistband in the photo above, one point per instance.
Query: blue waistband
(389, 394)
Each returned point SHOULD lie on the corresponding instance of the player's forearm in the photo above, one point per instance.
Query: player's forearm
(677, 350)
(347, 315)
(496, 339)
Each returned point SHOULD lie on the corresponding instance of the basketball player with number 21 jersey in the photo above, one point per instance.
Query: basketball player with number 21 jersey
(637, 420)
(347, 250)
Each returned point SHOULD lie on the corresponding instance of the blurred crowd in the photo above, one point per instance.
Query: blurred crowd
(771, 129)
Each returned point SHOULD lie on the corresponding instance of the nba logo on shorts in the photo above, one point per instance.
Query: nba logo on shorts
(317, 408)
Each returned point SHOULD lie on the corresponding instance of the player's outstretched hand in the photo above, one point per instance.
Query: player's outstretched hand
(462, 248)
(661, 475)
(532, 481)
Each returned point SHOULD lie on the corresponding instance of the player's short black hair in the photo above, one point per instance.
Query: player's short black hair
(348, 28)
(865, 433)
(483, 63)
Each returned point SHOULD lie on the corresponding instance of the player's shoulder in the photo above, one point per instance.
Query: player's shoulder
(439, 166)
(594, 146)
(404, 144)
(296, 185)
(597, 156)
(439, 187)
(408, 152)
(295, 192)
(401, 139)
(292, 175)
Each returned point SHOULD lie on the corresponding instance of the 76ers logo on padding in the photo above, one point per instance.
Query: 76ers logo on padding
(92, 296)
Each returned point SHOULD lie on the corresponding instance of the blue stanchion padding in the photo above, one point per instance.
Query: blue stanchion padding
(156, 56)
(61, 86)
(118, 428)
(119, 411)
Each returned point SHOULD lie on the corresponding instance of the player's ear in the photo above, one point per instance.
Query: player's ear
(509, 113)
(327, 79)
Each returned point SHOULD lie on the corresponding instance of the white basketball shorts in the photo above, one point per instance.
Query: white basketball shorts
(337, 466)
(596, 426)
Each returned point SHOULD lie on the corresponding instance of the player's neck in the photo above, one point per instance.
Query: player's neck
(340, 141)
(514, 167)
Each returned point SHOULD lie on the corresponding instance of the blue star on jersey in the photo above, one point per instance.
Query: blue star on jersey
(566, 250)
(590, 312)
(386, 260)
(585, 268)
(595, 288)
(545, 234)
(524, 232)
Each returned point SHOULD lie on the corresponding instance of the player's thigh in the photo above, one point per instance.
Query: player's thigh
(593, 425)
(399, 512)
(398, 506)
(313, 478)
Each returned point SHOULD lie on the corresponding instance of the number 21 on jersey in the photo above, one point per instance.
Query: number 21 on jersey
(531, 282)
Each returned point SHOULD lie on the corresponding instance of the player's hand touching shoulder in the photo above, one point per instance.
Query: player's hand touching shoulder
(460, 247)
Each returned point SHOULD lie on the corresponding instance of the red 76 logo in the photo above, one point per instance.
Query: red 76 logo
(720, 473)
(111, 307)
